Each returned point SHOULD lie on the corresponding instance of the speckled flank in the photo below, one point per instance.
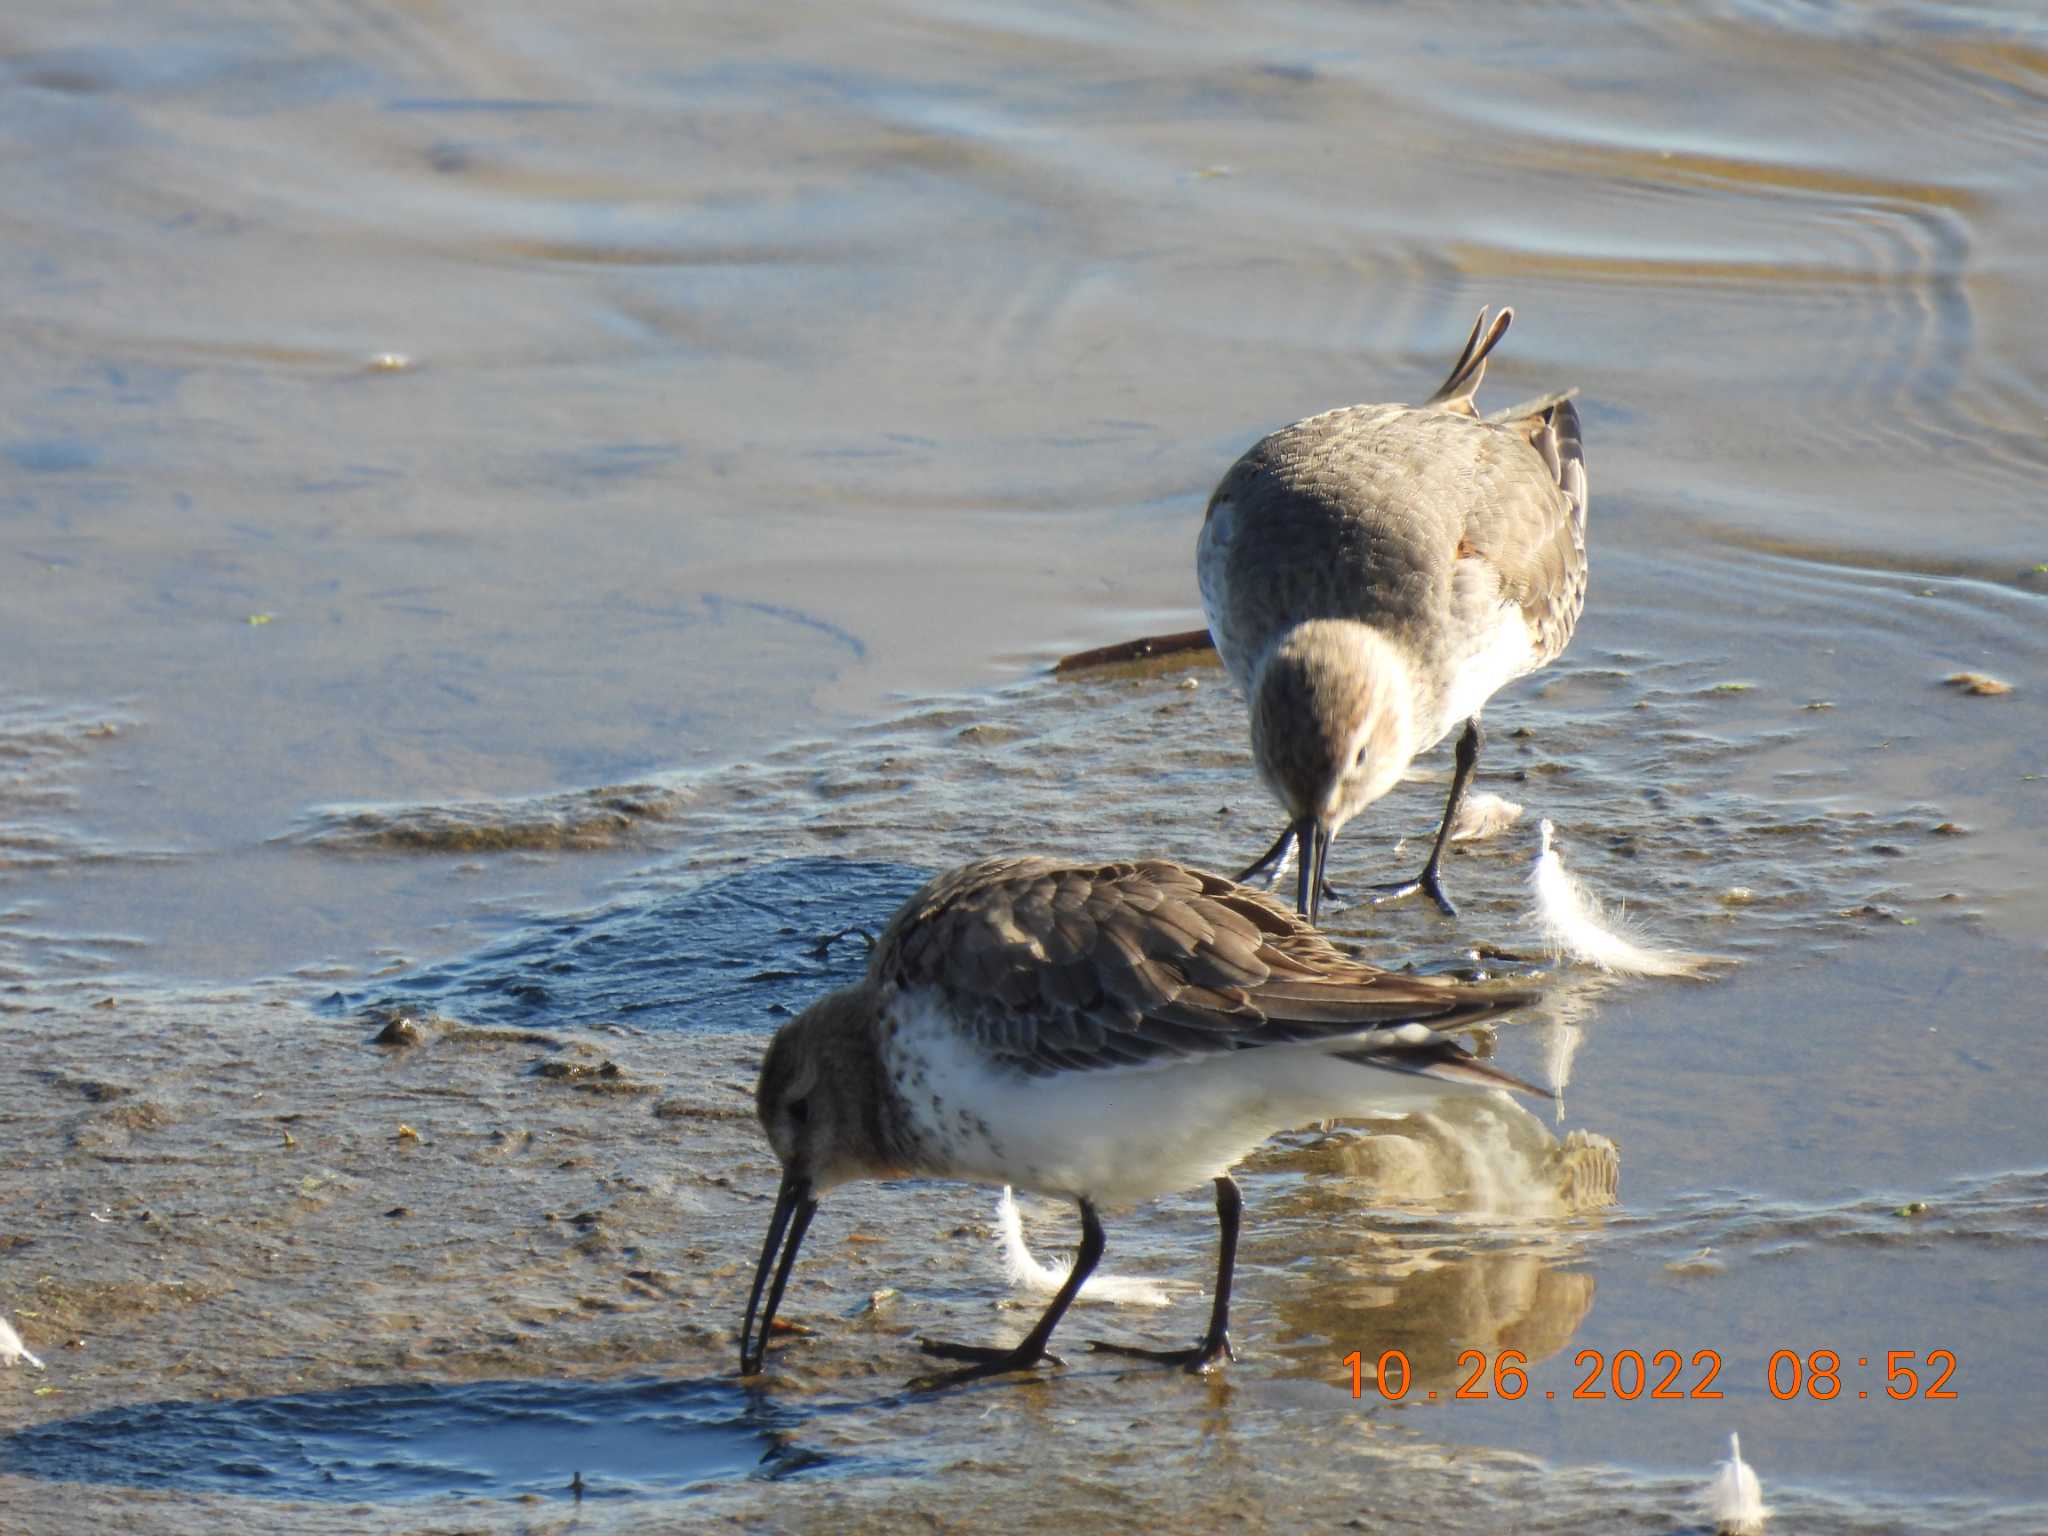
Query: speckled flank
(931, 1100)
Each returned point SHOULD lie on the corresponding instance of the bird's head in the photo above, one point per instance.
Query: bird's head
(1332, 728)
(810, 1097)
(820, 1104)
(1331, 720)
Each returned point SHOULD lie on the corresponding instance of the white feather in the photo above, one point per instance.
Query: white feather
(1735, 1499)
(11, 1347)
(1027, 1274)
(1481, 816)
(1575, 928)
(1560, 1045)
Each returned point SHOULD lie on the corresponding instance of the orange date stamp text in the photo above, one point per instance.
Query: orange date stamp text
(1667, 1376)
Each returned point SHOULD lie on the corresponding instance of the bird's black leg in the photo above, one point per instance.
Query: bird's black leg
(1215, 1343)
(990, 1361)
(1431, 878)
(1461, 775)
(1268, 863)
(1267, 866)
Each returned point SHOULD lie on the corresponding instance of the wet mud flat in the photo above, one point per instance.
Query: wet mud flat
(224, 1195)
(287, 1276)
(415, 1254)
(253, 1243)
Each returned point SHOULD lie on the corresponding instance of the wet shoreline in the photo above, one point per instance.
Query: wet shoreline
(228, 1196)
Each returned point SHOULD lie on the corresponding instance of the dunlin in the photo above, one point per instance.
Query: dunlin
(1105, 1033)
(1373, 575)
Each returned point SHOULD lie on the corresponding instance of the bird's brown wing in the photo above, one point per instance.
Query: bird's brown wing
(1054, 967)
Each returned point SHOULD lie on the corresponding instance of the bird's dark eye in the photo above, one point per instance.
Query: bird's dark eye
(799, 1111)
(1359, 761)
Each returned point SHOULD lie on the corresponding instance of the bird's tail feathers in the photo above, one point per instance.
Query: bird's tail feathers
(1456, 392)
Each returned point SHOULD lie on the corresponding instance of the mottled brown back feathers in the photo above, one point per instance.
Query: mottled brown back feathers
(1056, 966)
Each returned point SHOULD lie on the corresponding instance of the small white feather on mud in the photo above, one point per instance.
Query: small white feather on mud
(1575, 927)
(1027, 1274)
(1735, 1499)
(1481, 816)
(12, 1349)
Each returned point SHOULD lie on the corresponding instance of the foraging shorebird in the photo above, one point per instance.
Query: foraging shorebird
(1104, 1033)
(1373, 575)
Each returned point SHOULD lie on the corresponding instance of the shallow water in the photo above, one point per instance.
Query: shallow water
(416, 1440)
(536, 521)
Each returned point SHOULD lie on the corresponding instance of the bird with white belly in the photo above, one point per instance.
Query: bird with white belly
(1372, 576)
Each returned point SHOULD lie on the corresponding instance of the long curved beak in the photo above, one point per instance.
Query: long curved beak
(1312, 847)
(792, 1200)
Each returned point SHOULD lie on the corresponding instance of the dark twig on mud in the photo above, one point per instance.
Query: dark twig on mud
(1137, 650)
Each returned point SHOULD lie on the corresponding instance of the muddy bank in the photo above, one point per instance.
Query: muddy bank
(262, 1203)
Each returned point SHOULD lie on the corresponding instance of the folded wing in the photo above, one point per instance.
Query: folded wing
(1068, 967)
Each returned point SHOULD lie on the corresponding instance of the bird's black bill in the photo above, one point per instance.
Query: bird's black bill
(1312, 839)
(793, 1200)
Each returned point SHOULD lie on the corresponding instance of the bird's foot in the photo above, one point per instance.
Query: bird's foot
(1427, 882)
(1266, 872)
(1199, 1361)
(986, 1361)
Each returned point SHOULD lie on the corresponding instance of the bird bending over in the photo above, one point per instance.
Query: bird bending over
(1373, 575)
(1104, 1033)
